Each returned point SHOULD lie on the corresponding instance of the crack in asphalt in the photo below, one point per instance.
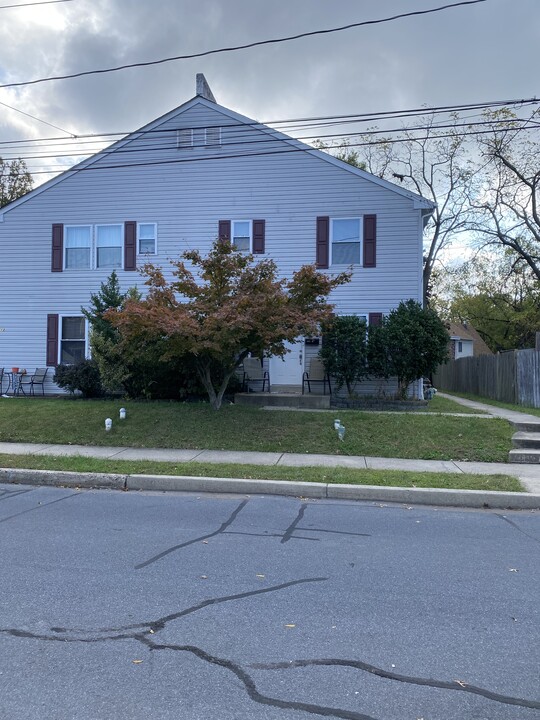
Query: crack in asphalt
(250, 686)
(516, 526)
(411, 680)
(292, 527)
(38, 507)
(7, 494)
(150, 628)
(222, 527)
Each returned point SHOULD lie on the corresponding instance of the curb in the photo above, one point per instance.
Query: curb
(186, 483)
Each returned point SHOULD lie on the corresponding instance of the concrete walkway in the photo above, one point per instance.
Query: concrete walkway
(513, 416)
(529, 475)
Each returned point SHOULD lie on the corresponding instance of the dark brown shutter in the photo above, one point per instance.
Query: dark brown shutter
(52, 340)
(375, 318)
(370, 240)
(258, 236)
(323, 234)
(130, 245)
(224, 230)
(57, 258)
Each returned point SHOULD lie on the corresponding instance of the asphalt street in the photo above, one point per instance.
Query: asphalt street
(130, 605)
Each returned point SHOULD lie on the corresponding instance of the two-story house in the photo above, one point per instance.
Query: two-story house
(199, 172)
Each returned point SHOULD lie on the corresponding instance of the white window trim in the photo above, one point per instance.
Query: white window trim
(250, 234)
(360, 219)
(75, 314)
(64, 249)
(155, 236)
(122, 252)
(213, 144)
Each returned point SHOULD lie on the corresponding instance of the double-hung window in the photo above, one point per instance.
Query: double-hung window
(72, 340)
(345, 241)
(109, 246)
(241, 235)
(147, 235)
(77, 247)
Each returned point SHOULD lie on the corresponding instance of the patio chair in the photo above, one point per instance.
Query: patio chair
(30, 381)
(316, 374)
(254, 373)
(2, 381)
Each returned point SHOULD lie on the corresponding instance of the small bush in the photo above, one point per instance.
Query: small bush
(83, 377)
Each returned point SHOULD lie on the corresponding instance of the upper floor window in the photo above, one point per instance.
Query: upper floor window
(184, 138)
(345, 241)
(109, 246)
(146, 238)
(212, 136)
(241, 234)
(77, 247)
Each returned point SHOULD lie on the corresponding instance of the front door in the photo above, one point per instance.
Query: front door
(286, 372)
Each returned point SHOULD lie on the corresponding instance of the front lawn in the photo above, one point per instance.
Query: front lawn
(197, 426)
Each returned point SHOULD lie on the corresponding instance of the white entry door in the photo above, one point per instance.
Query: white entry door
(288, 370)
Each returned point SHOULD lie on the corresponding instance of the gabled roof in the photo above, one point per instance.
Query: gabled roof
(465, 331)
(419, 202)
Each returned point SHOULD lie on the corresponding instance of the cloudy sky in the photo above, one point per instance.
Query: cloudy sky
(482, 52)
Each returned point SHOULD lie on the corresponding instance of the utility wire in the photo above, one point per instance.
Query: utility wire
(118, 166)
(304, 122)
(523, 124)
(243, 47)
(45, 2)
(56, 127)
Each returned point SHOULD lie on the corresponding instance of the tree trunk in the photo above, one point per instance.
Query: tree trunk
(215, 399)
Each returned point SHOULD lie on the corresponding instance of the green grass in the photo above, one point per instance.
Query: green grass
(496, 403)
(390, 478)
(444, 405)
(197, 426)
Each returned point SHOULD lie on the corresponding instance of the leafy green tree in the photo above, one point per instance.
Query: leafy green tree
(223, 306)
(109, 297)
(15, 180)
(497, 294)
(416, 341)
(343, 350)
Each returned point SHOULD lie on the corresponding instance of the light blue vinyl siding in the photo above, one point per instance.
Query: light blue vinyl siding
(186, 196)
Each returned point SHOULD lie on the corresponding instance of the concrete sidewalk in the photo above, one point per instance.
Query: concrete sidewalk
(529, 475)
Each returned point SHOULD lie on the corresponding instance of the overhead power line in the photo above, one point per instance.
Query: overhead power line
(44, 2)
(33, 117)
(235, 48)
(265, 139)
(177, 161)
(290, 124)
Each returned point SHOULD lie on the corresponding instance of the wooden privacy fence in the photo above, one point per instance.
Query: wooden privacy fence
(512, 377)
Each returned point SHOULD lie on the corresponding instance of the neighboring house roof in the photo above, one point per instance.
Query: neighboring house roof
(202, 98)
(465, 331)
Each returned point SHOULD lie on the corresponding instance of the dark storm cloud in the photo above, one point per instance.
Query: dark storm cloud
(481, 52)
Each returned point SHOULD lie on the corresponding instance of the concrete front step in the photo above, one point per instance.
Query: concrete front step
(285, 400)
(529, 440)
(524, 455)
(527, 426)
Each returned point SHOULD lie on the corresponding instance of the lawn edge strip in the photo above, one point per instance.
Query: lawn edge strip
(186, 483)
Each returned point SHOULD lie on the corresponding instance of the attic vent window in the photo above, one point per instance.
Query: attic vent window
(212, 136)
(184, 139)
